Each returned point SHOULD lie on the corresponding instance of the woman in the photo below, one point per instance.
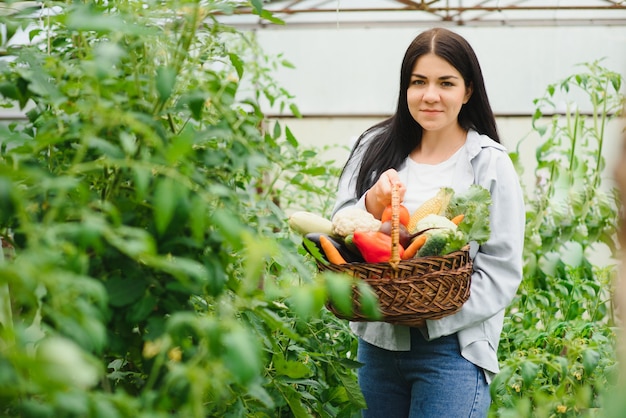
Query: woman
(443, 134)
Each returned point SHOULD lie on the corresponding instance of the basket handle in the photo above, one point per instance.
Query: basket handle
(395, 226)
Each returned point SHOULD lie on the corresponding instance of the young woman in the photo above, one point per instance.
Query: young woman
(443, 134)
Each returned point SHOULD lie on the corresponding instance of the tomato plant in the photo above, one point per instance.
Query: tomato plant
(147, 268)
(557, 348)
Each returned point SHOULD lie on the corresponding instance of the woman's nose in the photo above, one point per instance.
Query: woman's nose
(431, 94)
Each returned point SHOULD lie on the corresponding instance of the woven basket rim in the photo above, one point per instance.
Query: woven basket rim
(446, 296)
(414, 260)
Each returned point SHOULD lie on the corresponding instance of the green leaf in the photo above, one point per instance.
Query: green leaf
(195, 100)
(314, 171)
(290, 368)
(131, 241)
(529, 372)
(259, 393)
(267, 15)
(277, 130)
(165, 81)
(216, 276)
(352, 389)
(197, 218)
(9, 90)
(291, 139)
(294, 400)
(590, 359)
(128, 142)
(242, 355)
(369, 301)
(181, 145)
(340, 292)
(229, 225)
(237, 63)
(105, 147)
(83, 19)
(276, 323)
(258, 5)
(142, 309)
(180, 267)
(307, 301)
(165, 201)
(7, 202)
(295, 110)
(125, 290)
(142, 177)
(474, 204)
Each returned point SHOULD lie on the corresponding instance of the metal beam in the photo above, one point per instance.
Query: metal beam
(514, 13)
(426, 23)
(288, 10)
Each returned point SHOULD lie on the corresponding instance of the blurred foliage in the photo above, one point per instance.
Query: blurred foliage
(148, 269)
(557, 350)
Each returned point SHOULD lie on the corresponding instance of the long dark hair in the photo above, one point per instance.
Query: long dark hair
(393, 139)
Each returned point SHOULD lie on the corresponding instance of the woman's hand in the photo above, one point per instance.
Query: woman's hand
(379, 196)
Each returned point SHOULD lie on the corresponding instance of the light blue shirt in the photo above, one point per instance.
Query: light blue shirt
(497, 263)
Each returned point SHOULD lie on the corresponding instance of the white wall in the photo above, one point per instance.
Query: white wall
(355, 71)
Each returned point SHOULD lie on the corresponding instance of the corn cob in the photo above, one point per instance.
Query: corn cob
(436, 205)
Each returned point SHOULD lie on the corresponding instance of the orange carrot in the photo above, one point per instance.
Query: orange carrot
(458, 219)
(331, 252)
(414, 246)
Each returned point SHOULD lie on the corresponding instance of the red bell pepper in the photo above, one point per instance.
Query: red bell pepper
(375, 246)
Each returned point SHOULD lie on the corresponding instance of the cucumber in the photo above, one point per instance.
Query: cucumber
(307, 222)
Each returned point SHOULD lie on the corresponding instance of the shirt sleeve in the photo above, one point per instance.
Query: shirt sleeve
(498, 263)
(346, 190)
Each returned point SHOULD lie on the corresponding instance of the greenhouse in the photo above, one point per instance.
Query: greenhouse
(186, 231)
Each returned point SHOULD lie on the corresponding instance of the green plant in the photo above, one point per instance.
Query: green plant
(148, 267)
(557, 348)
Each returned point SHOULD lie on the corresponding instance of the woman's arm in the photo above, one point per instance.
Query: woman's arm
(498, 262)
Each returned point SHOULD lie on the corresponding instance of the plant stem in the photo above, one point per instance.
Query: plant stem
(601, 137)
(573, 137)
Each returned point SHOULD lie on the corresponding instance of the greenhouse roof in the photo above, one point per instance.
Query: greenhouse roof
(325, 13)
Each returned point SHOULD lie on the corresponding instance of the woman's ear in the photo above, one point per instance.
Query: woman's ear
(468, 93)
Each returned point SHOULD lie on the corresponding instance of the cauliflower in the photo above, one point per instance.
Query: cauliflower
(437, 222)
(348, 220)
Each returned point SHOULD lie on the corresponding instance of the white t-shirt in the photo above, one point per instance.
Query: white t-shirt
(423, 181)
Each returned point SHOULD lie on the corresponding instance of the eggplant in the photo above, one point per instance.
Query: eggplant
(348, 254)
(405, 237)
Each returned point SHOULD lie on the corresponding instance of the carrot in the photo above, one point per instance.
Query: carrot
(458, 219)
(414, 246)
(331, 252)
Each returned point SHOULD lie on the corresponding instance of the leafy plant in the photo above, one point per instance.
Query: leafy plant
(557, 348)
(148, 270)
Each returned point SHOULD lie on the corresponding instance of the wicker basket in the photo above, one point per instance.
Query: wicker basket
(410, 291)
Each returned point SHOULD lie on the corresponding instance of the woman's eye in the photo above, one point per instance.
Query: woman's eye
(446, 84)
(417, 82)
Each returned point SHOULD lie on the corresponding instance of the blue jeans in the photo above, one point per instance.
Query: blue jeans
(430, 381)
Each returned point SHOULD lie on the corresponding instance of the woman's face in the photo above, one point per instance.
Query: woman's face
(436, 93)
